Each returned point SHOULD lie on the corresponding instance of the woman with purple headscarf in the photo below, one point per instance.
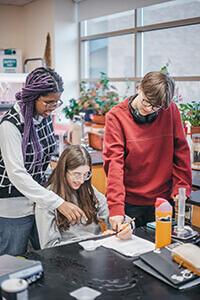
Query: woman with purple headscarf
(27, 143)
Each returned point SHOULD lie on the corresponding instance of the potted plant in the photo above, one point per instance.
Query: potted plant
(191, 112)
(96, 100)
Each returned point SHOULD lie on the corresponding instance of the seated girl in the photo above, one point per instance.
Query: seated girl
(71, 180)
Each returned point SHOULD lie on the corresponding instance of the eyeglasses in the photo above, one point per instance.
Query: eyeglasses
(146, 103)
(77, 177)
(52, 105)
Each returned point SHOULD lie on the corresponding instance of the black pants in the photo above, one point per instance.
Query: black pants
(143, 213)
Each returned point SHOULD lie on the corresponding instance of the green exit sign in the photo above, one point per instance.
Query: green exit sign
(9, 63)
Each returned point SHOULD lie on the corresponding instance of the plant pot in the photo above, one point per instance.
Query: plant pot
(195, 129)
(95, 140)
(94, 125)
(98, 119)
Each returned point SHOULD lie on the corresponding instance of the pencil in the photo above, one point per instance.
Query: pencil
(125, 226)
(109, 235)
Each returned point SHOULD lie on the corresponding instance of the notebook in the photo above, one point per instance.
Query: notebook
(17, 267)
(142, 265)
(161, 264)
(131, 247)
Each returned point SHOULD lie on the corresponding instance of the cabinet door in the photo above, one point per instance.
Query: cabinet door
(196, 216)
(99, 178)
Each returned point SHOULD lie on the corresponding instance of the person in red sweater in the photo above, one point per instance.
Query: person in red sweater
(145, 154)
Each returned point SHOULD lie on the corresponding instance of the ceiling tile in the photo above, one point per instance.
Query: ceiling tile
(15, 2)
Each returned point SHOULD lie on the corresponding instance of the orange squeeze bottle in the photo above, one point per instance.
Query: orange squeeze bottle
(163, 215)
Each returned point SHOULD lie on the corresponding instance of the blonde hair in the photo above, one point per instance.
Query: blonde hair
(158, 88)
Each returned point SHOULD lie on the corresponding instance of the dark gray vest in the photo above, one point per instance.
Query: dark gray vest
(47, 142)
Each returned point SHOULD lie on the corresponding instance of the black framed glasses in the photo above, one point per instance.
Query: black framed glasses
(147, 103)
(52, 105)
(78, 176)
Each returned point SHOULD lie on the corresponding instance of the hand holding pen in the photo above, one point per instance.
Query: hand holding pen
(125, 230)
(116, 221)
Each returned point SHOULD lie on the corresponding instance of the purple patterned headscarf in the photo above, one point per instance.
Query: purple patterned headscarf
(39, 82)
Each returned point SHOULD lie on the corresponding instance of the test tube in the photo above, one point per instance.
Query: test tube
(181, 210)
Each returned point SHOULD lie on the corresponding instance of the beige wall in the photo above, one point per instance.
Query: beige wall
(26, 28)
(38, 19)
(11, 27)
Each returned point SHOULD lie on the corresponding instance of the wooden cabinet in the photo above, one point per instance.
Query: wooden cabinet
(196, 216)
(194, 204)
(99, 178)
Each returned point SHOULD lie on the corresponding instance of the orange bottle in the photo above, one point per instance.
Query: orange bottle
(163, 214)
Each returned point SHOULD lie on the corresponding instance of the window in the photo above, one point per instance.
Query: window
(169, 11)
(178, 44)
(107, 24)
(188, 90)
(133, 43)
(109, 55)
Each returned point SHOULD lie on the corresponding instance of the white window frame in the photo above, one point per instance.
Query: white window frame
(138, 60)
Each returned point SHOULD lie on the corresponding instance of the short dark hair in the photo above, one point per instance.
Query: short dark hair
(158, 88)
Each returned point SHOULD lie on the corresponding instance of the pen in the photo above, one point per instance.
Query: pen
(125, 226)
(109, 235)
(101, 237)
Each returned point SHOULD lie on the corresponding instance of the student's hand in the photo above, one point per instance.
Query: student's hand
(116, 221)
(176, 197)
(71, 211)
(126, 233)
(123, 235)
(108, 232)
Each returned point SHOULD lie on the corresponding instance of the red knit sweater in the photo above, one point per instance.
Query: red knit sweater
(145, 161)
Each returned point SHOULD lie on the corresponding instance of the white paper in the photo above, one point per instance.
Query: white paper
(131, 247)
